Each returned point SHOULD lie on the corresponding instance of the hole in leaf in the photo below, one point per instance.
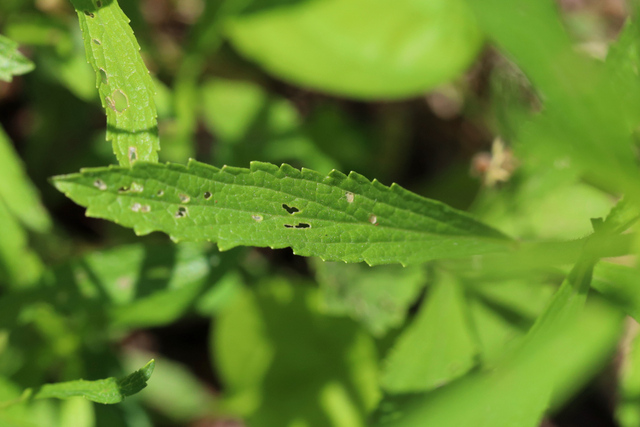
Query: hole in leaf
(257, 218)
(103, 76)
(89, 14)
(120, 102)
(98, 4)
(300, 225)
(184, 198)
(160, 193)
(290, 209)
(349, 196)
(100, 184)
(207, 195)
(133, 154)
(181, 212)
(373, 219)
(96, 41)
(123, 189)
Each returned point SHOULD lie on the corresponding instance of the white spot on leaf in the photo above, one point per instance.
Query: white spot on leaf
(349, 196)
(184, 198)
(100, 184)
(136, 207)
(257, 218)
(373, 219)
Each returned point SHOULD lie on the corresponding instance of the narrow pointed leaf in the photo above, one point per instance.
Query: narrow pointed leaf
(12, 62)
(107, 391)
(335, 217)
(125, 86)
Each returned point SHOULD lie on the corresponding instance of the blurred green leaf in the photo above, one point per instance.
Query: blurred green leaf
(437, 347)
(335, 217)
(77, 412)
(359, 48)
(251, 125)
(12, 62)
(123, 81)
(17, 190)
(284, 364)
(378, 297)
(107, 391)
(175, 391)
(584, 123)
(627, 411)
(620, 284)
(19, 265)
(561, 351)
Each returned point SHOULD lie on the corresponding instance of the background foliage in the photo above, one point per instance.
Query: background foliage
(520, 312)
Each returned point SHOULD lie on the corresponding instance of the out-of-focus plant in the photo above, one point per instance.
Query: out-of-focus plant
(410, 312)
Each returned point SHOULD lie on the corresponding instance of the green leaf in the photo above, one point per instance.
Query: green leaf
(283, 363)
(562, 350)
(12, 62)
(619, 284)
(123, 81)
(568, 130)
(251, 124)
(17, 190)
(107, 391)
(437, 347)
(360, 48)
(335, 217)
(378, 297)
(19, 265)
(628, 395)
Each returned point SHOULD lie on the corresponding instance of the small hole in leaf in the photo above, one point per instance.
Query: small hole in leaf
(100, 184)
(103, 76)
(89, 14)
(303, 225)
(98, 4)
(288, 226)
(184, 198)
(119, 101)
(96, 41)
(257, 218)
(136, 207)
(207, 195)
(181, 212)
(349, 196)
(133, 154)
(123, 189)
(373, 219)
(160, 193)
(290, 209)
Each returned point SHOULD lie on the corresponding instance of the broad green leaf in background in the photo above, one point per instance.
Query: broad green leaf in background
(335, 217)
(107, 391)
(123, 81)
(12, 62)
(284, 364)
(562, 350)
(377, 297)
(620, 285)
(437, 347)
(18, 192)
(359, 48)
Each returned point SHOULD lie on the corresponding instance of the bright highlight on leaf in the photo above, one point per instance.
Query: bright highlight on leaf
(125, 86)
(108, 391)
(335, 217)
(12, 62)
